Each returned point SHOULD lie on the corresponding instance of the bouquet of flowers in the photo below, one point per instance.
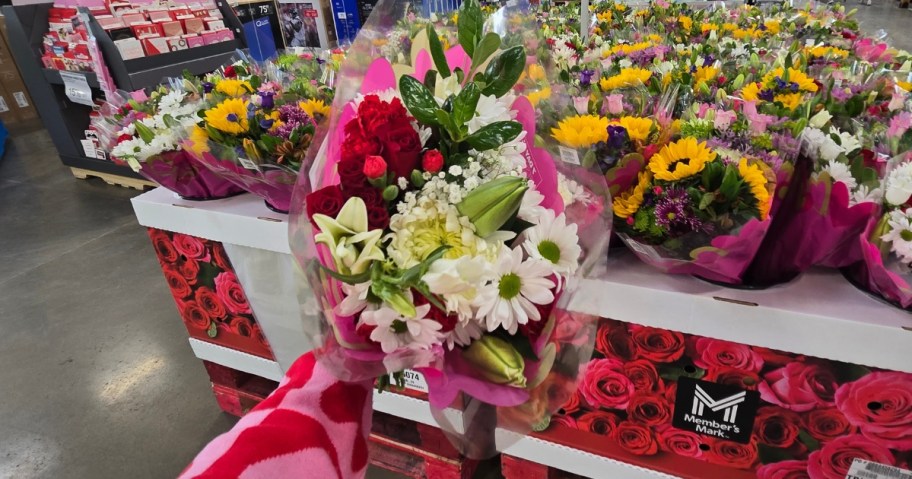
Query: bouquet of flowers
(435, 234)
(144, 131)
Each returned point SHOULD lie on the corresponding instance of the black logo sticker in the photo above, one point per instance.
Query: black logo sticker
(716, 410)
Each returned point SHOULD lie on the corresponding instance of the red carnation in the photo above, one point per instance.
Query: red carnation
(432, 161)
(229, 72)
(374, 167)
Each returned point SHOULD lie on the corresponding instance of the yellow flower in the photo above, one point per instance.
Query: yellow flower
(604, 16)
(314, 107)
(654, 38)
(627, 48)
(708, 27)
(628, 77)
(676, 127)
(705, 74)
(629, 202)
(754, 177)
(229, 116)
(772, 26)
(789, 100)
(638, 129)
(686, 22)
(233, 88)
(729, 27)
(537, 96)
(904, 85)
(805, 83)
(581, 131)
(620, 7)
(536, 72)
(681, 159)
(741, 33)
(750, 92)
(199, 140)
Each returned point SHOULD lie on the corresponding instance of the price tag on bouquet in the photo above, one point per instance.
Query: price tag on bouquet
(569, 155)
(862, 469)
(246, 163)
(77, 88)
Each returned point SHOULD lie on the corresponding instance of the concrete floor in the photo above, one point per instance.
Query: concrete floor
(97, 378)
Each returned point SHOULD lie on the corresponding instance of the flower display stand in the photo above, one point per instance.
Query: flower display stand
(812, 374)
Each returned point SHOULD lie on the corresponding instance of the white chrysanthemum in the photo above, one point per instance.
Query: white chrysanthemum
(531, 209)
(384, 95)
(457, 281)
(491, 109)
(394, 332)
(510, 299)
(847, 141)
(355, 299)
(811, 141)
(899, 184)
(865, 195)
(829, 149)
(900, 234)
(554, 241)
(462, 334)
(840, 172)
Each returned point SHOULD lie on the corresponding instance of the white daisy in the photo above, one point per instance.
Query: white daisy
(394, 332)
(554, 241)
(899, 184)
(355, 299)
(840, 172)
(531, 208)
(491, 109)
(462, 334)
(518, 286)
(900, 234)
(866, 195)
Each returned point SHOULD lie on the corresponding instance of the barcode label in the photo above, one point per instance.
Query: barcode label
(248, 164)
(3, 106)
(862, 469)
(415, 381)
(569, 155)
(20, 99)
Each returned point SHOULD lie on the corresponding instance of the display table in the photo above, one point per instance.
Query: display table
(819, 314)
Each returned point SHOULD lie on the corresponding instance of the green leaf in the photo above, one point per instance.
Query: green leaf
(486, 47)
(418, 99)
(446, 121)
(769, 454)
(707, 200)
(731, 183)
(440, 60)
(672, 372)
(430, 80)
(504, 70)
(144, 132)
(806, 439)
(494, 135)
(212, 331)
(464, 105)
(847, 372)
(471, 22)
(348, 279)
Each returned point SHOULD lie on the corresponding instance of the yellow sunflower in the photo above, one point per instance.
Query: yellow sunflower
(628, 77)
(604, 16)
(789, 100)
(581, 131)
(314, 107)
(686, 22)
(708, 27)
(229, 116)
(681, 159)
(233, 88)
(754, 177)
(805, 83)
(537, 96)
(199, 140)
(629, 202)
(705, 74)
(772, 26)
(751, 92)
(638, 129)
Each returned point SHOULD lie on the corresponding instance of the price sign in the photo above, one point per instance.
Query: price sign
(77, 88)
(862, 469)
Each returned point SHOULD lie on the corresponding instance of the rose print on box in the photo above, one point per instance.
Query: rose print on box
(209, 297)
(810, 417)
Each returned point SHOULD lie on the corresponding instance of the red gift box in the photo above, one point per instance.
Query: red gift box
(171, 28)
(193, 25)
(160, 16)
(133, 18)
(146, 30)
(156, 45)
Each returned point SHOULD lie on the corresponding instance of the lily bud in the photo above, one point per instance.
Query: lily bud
(739, 82)
(497, 361)
(492, 204)
(390, 193)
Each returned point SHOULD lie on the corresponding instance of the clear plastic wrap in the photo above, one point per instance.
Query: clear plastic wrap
(372, 195)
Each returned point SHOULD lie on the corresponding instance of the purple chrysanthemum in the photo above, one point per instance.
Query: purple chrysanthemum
(293, 114)
(673, 213)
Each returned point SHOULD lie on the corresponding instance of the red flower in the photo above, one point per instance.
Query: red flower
(605, 384)
(772, 357)
(715, 352)
(190, 269)
(565, 421)
(176, 281)
(123, 138)
(229, 72)
(231, 293)
(191, 247)
(351, 173)
(325, 201)
(194, 315)
(733, 377)
(784, 470)
(241, 326)
(259, 336)
(374, 167)
(598, 422)
(682, 443)
(377, 217)
(799, 387)
(375, 115)
(211, 303)
(356, 146)
(657, 345)
(370, 195)
(776, 427)
(613, 341)
(827, 424)
(649, 151)
(401, 149)
(636, 439)
(835, 457)
(649, 409)
(733, 454)
(221, 257)
(164, 248)
(572, 405)
(432, 161)
(880, 404)
(643, 375)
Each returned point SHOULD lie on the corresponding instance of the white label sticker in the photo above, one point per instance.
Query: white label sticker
(77, 88)
(569, 155)
(248, 164)
(415, 381)
(88, 148)
(20, 99)
(862, 469)
(3, 106)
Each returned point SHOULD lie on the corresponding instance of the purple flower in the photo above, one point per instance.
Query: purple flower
(617, 137)
(787, 146)
(232, 117)
(674, 214)
(267, 100)
(766, 95)
(266, 123)
(292, 113)
(208, 86)
(586, 77)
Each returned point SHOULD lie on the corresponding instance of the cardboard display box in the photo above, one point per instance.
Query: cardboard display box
(15, 95)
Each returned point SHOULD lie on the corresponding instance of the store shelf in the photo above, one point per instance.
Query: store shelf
(103, 166)
(53, 77)
(238, 360)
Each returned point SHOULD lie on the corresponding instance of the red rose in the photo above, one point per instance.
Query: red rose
(211, 303)
(229, 72)
(374, 115)
(835, 457)
(401, 149)
(231, 293)
(377, 217)
(191, 247)
(733, 377)
(370, 195)
(194, 315)
(604, 384)
(374, 167)
(241, 326)
(649, 409)
(733, 454)
(613, 341)
(221, 257)
(714, 352)
(164, 248)
(357, 147)
(432, 161)
(259, 336)
(565, 421)
(784, 470)
(598, 422)
(827, 424)
(880, 405)
(176, 281)
(643, 375)
(649, 151)
(776, 427)
(572, 405)
(351, 174)
(636, 439)
(799, 387)
(682, 443)
(325, 201)
(657, 345)
(190, 270)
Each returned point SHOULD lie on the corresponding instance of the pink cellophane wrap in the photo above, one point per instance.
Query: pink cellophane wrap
(179, 172)
(876, 276)
(273, 183)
